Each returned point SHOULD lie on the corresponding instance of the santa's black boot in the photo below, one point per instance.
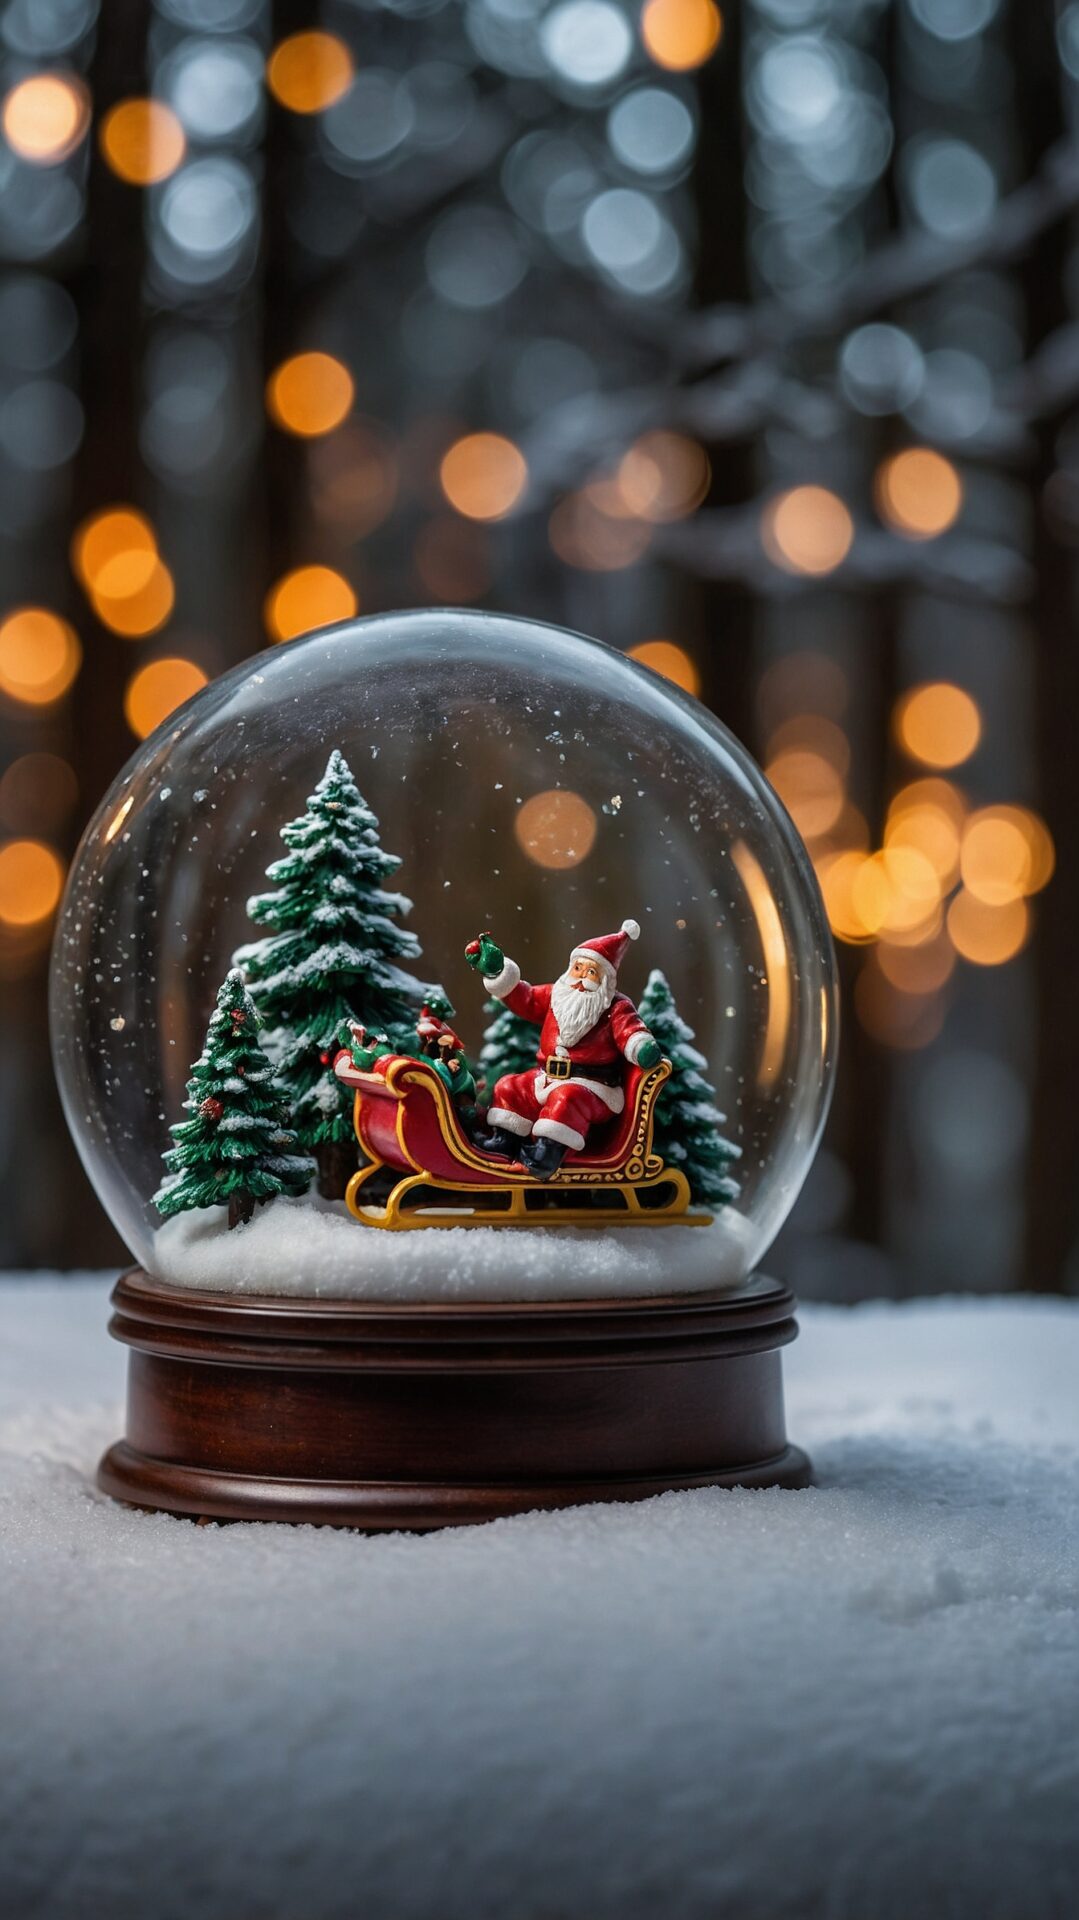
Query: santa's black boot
(542, 1156)
(499, 1140)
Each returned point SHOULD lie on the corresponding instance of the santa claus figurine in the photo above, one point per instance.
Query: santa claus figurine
(588, 1032)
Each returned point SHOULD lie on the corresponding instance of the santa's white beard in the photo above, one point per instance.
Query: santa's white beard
(577, 1005)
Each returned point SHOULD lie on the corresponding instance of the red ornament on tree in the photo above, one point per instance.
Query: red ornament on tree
(211, 1108)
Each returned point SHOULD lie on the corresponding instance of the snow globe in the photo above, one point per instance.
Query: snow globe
(444, 1010)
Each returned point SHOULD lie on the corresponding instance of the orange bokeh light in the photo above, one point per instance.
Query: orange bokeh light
(920, 969)
(31, 881)
(811, 732)
(45, 117)
(142, 141)
(810, 788)
(807, 530)
(114, 534)
(663, 476)
(938, 723)
(1007, 853)
(556, 829)
(837, 874)
(988, 936)
(306, 598)
(919, 493)
(673, 662)
(157, 689)
(591, 530)
(309, 71)
(310, 394)
(483, 476)
(146, 602)
(681, 34)
(39, 656)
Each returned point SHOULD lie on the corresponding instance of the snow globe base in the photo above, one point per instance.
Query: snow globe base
(383, 1416)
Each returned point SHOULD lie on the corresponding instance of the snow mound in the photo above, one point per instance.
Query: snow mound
(314, 1248)
(855, 1702)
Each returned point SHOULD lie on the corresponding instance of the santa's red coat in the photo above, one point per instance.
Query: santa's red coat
(603, 1045)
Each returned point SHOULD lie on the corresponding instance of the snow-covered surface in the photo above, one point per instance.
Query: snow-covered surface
(315, 1247)
(856, 1702)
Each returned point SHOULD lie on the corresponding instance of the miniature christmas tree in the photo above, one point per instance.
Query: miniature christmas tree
(509, 1044)
(687, 1121)
(236, 1146)
(332, 956)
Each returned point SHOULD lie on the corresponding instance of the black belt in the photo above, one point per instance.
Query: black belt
(558, 1068)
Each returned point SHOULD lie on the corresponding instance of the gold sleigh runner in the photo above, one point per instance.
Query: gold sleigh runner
(406, 1122)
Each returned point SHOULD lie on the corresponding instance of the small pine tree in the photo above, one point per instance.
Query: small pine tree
(687, 1121)
(332, 956)
(510, 1044)
(235, 1148)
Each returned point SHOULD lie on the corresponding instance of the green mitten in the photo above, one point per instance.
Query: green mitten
(650, 1054)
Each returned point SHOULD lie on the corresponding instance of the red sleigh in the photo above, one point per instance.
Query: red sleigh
(406, 1121)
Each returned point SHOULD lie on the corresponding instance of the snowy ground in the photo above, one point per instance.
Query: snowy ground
(314, 1247)
(858, 1702)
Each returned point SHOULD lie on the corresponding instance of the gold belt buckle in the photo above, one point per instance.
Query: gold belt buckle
(557, 1068)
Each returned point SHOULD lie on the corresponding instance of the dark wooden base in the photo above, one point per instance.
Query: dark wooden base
(342, 1413)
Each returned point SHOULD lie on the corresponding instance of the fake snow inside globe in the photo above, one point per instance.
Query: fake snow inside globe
(444, 955)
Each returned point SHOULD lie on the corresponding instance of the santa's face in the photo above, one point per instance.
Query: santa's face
(583, 993)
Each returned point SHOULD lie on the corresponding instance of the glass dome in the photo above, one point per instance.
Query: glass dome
(531, 782)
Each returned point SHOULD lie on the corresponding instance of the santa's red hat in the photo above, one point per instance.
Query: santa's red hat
(608, 948)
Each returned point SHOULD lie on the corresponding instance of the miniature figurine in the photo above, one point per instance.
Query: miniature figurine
(588, 1032)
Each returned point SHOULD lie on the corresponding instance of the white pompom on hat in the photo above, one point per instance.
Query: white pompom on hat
(608, 948)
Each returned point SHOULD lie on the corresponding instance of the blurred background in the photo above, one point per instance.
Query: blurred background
(746, 339)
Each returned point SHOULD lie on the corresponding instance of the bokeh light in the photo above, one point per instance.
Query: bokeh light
(1007, 853)
(919, 493)
(919, 969)
(664, 476)
(928, 816)
(31, 882)
(45, 117)
(837, 875)
(483, 476)
(671, 660)
(593, 530)
(145, 598)
(40, 656)
(556, 829)
(309, 71)
(807, 530)
(938, 723)
(157, 689)
(308, 597)
(114, 547)
(988, 936)
(142, 141)
(310, 394)
(810, 788)
(681, 34)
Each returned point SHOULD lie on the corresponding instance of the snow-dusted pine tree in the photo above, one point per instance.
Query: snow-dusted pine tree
(332, 956)
(236, 1148)
(687, 1119)
(509, 1045)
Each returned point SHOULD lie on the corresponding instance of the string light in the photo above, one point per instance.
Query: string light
(939, 724)
(810, 788)
(310, 394)
(483, 476)
(592, 530)
(807, 530)
(143, 610)
(919, 493)
(306, 598)
(142, 141)
(673, 662)
(681, 34)
(556, 829)
(157, 689)
(31, 881)
(1007, 852)
(309, 71)
(40, 656)
(45, 117)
